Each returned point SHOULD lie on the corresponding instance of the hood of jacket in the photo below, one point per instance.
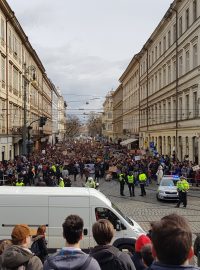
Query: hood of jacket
(160, 266)
(104, 253)
(15, 256)
(37, 237)
(66, 259)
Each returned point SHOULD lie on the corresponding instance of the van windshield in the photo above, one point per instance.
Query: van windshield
(121, 214)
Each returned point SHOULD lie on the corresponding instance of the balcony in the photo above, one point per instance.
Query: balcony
(16, 130)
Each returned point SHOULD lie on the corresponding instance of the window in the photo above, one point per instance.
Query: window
(156, 82)
(195, 105)
(152, 53)
(174, 32)
(180, 26)
(187, 61)
(164, 44)
(2, 31)
(10, 77)
(15, 81)
(187, 106)
(160, 79)
(169, 111)
(164, 76)
(169, 39)
(10, 40)
(187, 18)
(174, 110)
(180, 66)
(195, 56)
(160, 48)
(164, 112)
(156, 53)
(180, 108)
(169, 74)
(194, 10)
(174, 70)
(3, 74)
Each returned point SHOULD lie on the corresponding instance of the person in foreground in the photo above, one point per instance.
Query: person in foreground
(172, 244)
(108, 256)
(71, 256)
(18, 255)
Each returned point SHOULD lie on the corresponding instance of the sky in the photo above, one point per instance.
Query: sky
(85, 45)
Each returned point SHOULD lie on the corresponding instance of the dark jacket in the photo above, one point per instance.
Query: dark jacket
(137, 260)
(16, 256)
(160, 266)
(111, 258)
(43, 252)
(69, 259)
(197, 246)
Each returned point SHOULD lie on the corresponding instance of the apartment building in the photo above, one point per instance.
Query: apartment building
(130, 85)
(118, 113)
(169, 83)
(25, 90)
(107, 117)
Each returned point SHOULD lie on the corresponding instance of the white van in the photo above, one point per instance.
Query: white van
(51, 205)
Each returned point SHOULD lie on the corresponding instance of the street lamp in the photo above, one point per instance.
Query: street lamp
(27, 70)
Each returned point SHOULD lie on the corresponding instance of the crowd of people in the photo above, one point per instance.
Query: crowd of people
(168, 245)
(100, 160)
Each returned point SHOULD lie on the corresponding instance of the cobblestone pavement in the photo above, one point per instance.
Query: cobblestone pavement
(146, 209)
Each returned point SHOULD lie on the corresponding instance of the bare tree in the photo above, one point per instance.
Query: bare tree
(94, 125)
(72, 126)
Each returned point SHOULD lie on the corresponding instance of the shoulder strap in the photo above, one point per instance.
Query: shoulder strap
(86, 263)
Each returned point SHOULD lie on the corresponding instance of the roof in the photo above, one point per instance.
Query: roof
(53, 191)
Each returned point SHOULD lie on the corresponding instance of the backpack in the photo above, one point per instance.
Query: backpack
(35, 248)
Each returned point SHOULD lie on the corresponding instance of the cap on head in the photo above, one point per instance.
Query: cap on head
(141, 242)
(21, 231)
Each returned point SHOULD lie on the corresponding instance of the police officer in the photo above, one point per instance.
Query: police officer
(122, 180)
(61, 182)
(20, 182)
(130, 180)
(142, 181)
(182, 187)
(90, 183)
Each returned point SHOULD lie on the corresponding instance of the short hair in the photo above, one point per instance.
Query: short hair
(72, 229)
(172, 239)
(103, 231)
(147, 256)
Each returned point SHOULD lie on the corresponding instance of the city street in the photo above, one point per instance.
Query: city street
(147, 209)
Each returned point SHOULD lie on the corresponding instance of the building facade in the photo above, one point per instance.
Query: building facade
(107, 117)
(169, 83)
(117, 113)
(25, 90)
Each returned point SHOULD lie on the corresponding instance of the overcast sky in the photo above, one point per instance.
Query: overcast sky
(85, 45)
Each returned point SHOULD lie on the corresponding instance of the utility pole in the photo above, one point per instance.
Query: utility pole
(25, 117)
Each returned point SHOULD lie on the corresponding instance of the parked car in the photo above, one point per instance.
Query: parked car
(167, 189)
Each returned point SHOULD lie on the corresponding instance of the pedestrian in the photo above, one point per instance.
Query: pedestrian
(159, 174)
(71, 256)
(182, 187)
(172, 244)
(18, 255)
(61, 182)
(142, 181)
(20, 182)
(122, 181)
(108, 256)
(197, 249)
(130, 181)
(137, 256)
(90, 183)
(39, 245)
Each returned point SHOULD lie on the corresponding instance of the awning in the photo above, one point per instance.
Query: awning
(128, 141)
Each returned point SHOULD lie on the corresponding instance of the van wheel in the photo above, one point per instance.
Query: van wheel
(127, 248)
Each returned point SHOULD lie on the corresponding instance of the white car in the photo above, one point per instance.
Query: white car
(167, 189)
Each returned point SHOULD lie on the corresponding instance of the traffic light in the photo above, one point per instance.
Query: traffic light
(43, 120)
